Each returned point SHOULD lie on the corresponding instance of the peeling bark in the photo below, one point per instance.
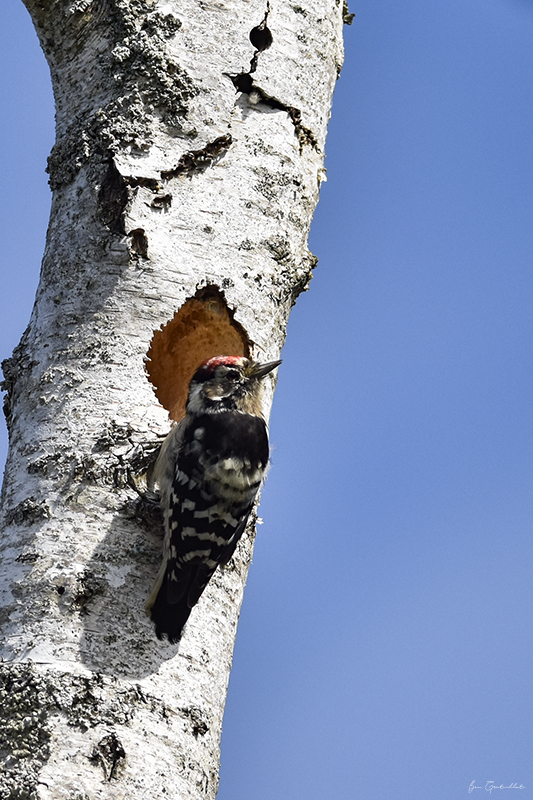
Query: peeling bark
(187, 166)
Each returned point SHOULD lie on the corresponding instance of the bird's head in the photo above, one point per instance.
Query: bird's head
(225, 383)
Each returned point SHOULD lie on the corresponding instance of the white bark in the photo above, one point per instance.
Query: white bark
(166, 179)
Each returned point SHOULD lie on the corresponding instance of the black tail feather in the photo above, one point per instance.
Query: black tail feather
(168, 614)
(169, 619)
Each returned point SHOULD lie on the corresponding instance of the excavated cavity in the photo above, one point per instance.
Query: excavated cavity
(203, 327)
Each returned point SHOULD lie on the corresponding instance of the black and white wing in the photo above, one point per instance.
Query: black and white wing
(219, 466)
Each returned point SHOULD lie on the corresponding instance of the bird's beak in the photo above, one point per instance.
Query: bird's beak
(260, 370)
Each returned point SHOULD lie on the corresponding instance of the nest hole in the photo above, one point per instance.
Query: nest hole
(203, 327)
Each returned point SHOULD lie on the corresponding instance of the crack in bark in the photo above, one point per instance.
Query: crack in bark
(114, 194)
(199, 159)
(113, 199)
(138, 180)
(244, 83)
(261, 38)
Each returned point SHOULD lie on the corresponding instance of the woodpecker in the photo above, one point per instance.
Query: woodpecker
(209, 471)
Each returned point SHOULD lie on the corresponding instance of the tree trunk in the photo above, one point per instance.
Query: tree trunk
(189, 154)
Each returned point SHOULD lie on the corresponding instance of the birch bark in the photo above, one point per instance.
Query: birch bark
(187, 166)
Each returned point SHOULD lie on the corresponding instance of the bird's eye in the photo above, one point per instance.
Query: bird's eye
(232, 375)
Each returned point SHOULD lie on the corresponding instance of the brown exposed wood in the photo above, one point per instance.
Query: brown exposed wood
(202, 328)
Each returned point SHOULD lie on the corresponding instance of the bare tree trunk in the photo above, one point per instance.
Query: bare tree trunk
(189, 154)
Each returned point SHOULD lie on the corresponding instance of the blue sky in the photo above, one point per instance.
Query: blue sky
(384, 649)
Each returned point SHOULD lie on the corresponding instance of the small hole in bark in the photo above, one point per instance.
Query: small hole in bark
(202, 328)
(260, 37)
(243, 82)
(139, 242)
(60, 589)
